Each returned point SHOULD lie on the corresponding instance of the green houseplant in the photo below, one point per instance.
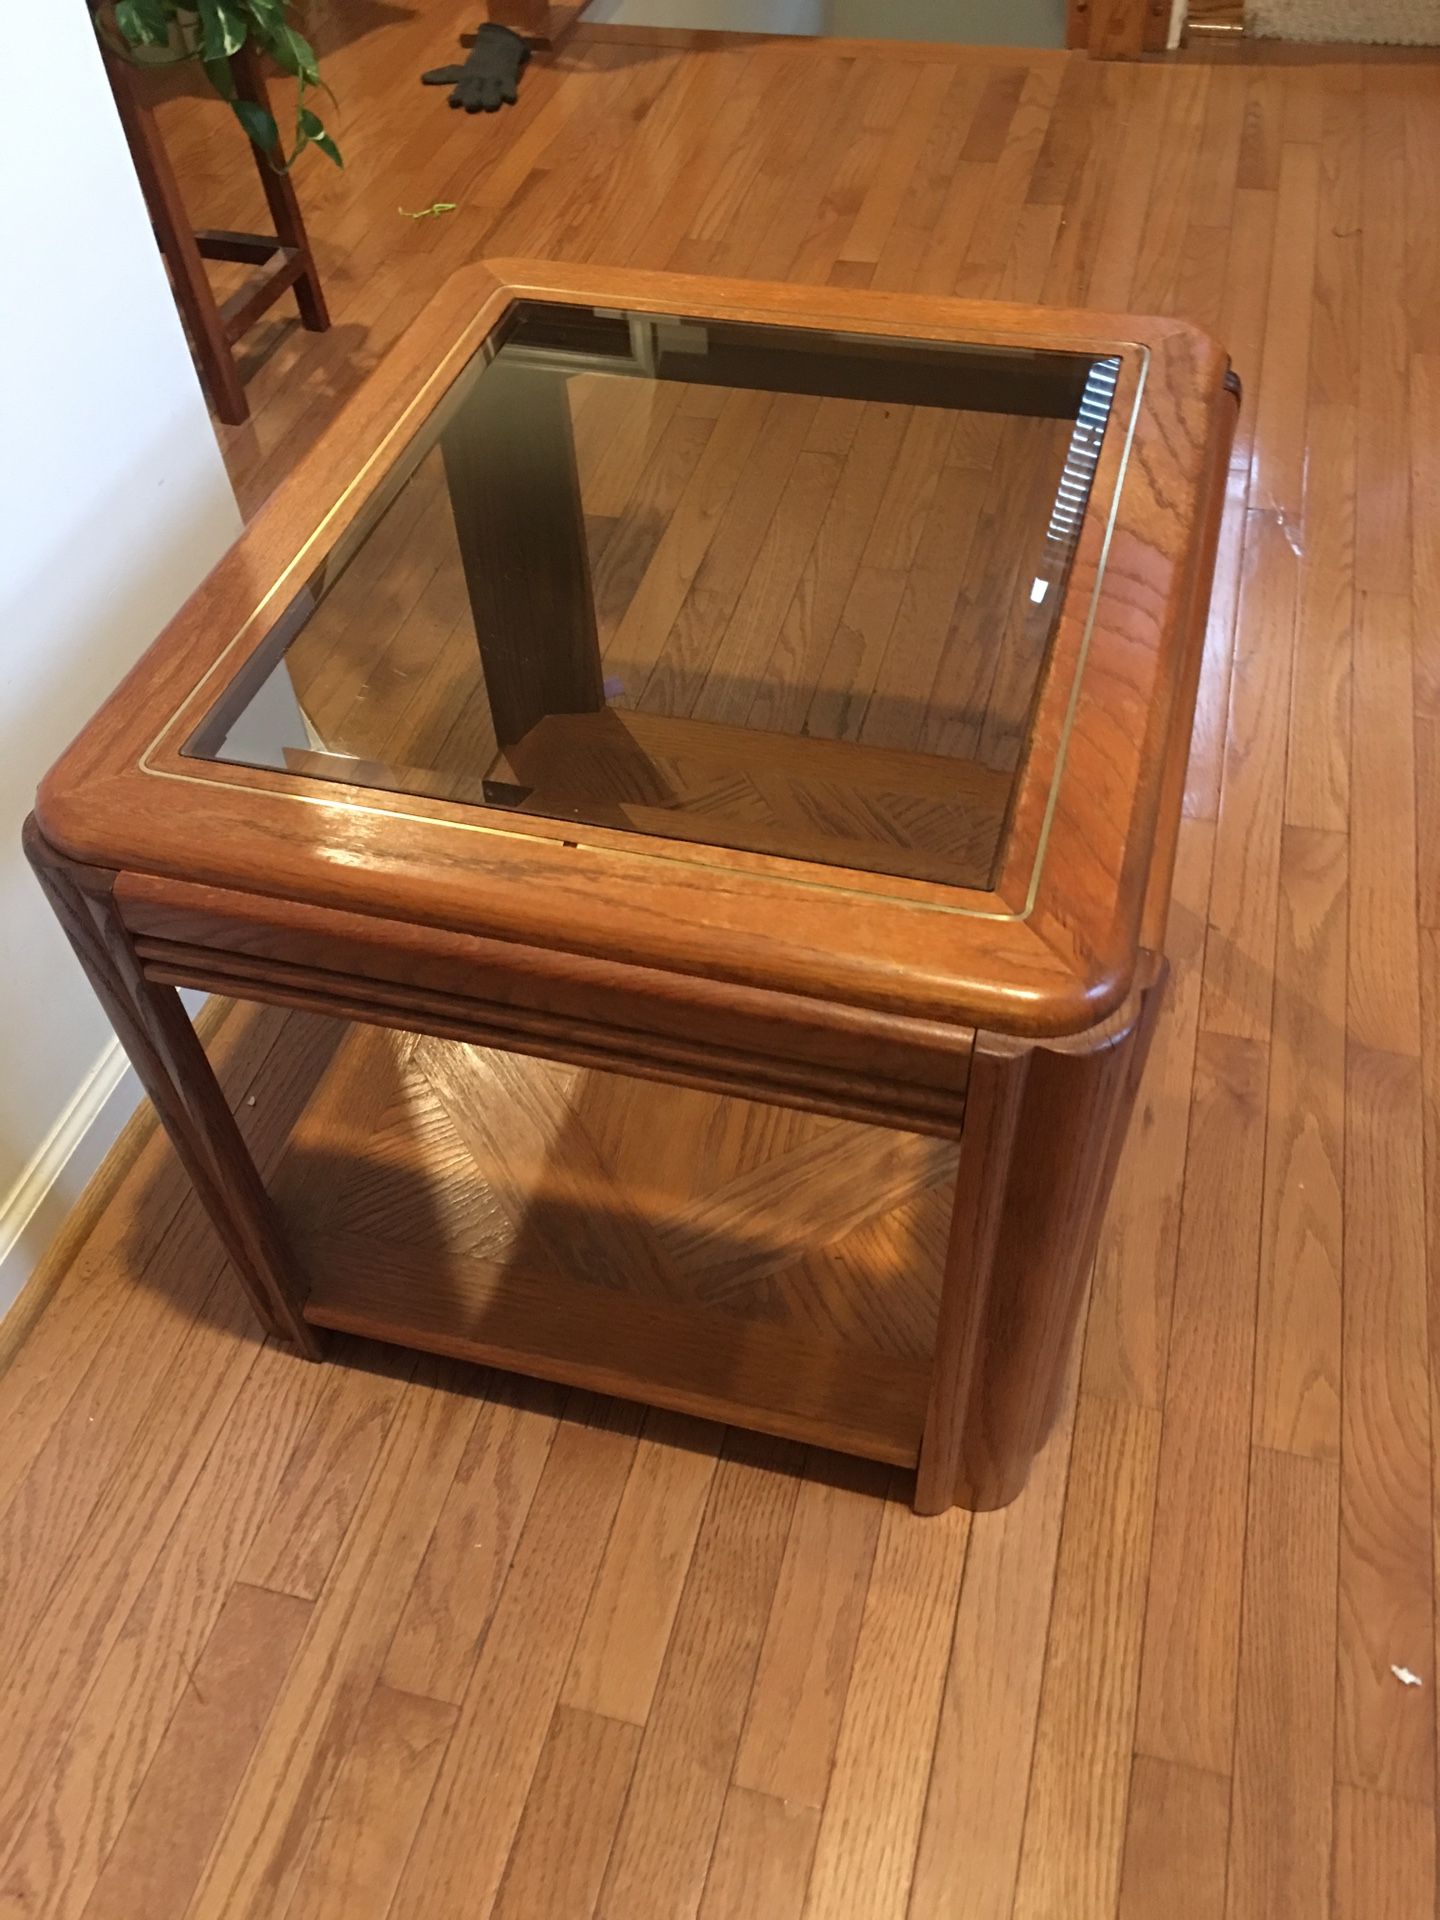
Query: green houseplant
(209, 31)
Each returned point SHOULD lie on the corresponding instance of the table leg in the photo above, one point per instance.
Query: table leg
(515, 494)
(1044, 1127)
(156, 1033)
(281, 198)
(193, 293)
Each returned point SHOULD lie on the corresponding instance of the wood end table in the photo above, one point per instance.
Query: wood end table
(778, 691)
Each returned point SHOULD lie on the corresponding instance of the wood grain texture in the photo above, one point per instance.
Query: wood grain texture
(143, 1677)
(1384, 1857)
(87, 1597)
(374, 1807)
(627, 1625)
(970, 1841)
(1065, 872)
(1298, 1325)
(170, 1062)
(171, 1822)
(699, 1276)
(1385, 1731)
(787, 1750)
(1187, 1697)
(1277, 485)
(1128, 1321)
(1317, 769)
(324, 1479)
(1239, 957)
(1384, 1000)
(137, 1369)
(865, 1847)
(468, 1555)
(49, 1396)
(1175, 1839)
(1212, 702)
(1075, 1821)
(73, 1418)
(670, 1356)
(1424, 411)
(1280, 1833)
(677, 1798)
(505, 1717)
(571, 1812)
(1036, 1167)
(548, 1003)
(262, 1845)
(1057, 966)
(1383, 499)
(761, 1862)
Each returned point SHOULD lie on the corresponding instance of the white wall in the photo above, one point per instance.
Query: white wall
(113, 505)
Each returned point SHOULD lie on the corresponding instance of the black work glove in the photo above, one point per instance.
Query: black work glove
(490, 77)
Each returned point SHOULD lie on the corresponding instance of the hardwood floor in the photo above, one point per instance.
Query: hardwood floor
(403, 1639)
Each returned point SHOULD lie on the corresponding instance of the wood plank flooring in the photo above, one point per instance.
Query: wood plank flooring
(402, 1639)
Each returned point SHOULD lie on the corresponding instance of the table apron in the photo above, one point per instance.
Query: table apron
(748, 1042)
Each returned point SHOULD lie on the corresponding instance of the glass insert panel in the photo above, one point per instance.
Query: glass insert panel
(775, 589)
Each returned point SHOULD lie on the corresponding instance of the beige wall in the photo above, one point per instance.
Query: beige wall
(1000, 23)
(1012, 23)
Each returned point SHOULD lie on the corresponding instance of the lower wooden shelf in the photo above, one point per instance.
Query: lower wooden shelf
(721, 1368)
(714, 1255)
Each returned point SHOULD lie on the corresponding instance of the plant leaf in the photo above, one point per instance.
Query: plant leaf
(212, 33)
(259, 124)
(218, 73)
(223, 28)
(293, 52)
(313, 131)
(144, 23)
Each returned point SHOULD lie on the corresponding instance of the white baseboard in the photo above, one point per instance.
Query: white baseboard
(36, 1207)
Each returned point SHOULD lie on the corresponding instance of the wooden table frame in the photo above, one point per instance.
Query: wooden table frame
(1015, 1021)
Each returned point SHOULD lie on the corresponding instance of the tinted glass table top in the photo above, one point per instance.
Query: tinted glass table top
(778, 589)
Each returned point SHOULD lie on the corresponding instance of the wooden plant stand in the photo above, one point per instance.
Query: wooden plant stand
(282, 260)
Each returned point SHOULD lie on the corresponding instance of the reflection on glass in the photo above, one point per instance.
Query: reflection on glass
(774, 589)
